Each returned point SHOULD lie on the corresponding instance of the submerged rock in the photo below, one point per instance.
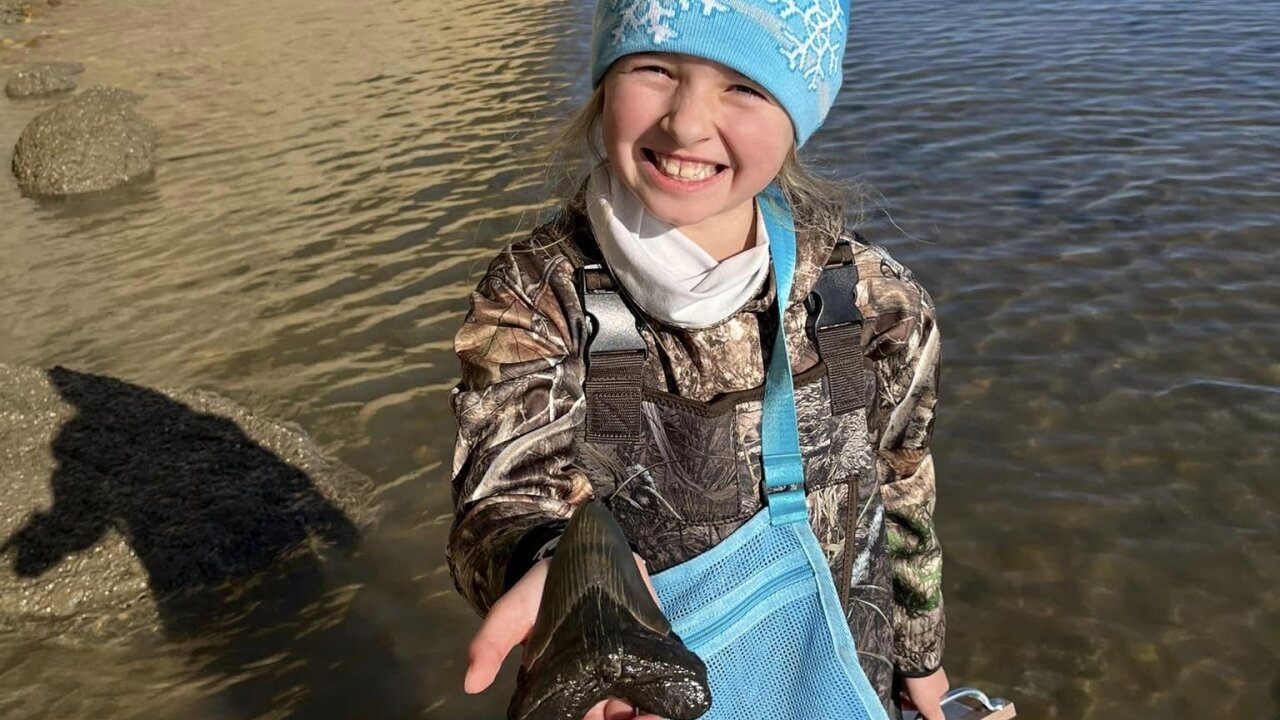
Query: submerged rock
(42, 79)
(91, 142)
(14, 11)
(126, 509)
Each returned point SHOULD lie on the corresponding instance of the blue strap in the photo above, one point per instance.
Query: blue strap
(779, 436)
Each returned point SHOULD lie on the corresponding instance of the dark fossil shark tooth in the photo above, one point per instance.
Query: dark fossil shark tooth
(600, 634)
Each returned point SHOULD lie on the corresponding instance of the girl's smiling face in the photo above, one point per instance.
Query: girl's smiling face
(694, 140)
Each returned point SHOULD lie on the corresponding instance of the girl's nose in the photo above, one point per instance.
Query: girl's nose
(690, 118)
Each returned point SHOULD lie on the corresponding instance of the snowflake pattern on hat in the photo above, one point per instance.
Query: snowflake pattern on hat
(810, 33)
(815, 53)
(651, 16)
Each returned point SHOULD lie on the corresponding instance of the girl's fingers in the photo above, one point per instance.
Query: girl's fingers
(644, 573)
(618, 710)
(596, 712)
(484, 659)
(501, 631)
(615, 709)
(507, 625)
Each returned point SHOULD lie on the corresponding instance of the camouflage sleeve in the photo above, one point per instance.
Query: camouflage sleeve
(517, 406)
(904, 349)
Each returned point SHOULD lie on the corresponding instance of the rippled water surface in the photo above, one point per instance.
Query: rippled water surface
(1088, 189)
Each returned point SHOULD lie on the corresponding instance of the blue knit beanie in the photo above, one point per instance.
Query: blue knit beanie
(792, 48)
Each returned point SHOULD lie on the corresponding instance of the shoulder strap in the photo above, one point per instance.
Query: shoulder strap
(836, 325)
(780, 454)
(615, 355)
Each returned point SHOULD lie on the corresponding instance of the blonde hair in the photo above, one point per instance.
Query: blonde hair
(820, 203)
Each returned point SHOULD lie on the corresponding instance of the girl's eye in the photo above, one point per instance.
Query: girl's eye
(747, 90)
(653, 68)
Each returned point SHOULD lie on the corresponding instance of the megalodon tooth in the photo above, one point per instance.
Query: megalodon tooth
(599, 634)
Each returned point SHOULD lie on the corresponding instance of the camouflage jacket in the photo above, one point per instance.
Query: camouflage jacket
(521, 462)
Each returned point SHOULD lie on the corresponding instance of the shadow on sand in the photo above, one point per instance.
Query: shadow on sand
(229, 536)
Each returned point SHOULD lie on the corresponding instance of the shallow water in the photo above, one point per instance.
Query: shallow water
(1088, 190)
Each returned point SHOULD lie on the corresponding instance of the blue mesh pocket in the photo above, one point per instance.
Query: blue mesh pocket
(761, 610)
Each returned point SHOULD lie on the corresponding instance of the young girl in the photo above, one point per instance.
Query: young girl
(699, 106)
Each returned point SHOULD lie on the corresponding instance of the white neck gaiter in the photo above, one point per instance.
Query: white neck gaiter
(668, 275)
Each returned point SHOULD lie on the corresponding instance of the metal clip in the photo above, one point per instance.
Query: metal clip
(954, 705)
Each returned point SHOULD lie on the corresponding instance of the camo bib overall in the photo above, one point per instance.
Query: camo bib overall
(713, 495)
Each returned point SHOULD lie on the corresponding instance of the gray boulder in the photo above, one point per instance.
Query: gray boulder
(125, 509)
(42, 79)
(91, 142)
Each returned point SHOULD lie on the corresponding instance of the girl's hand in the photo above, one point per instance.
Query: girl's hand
(613, 709)
(924, 694)
(509, 623)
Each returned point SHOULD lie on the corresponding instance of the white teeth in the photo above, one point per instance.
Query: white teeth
(684, 170)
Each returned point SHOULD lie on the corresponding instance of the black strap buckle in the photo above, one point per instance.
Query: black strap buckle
(833, 300)
(835, 324)
(614, 352)
(612, 325)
